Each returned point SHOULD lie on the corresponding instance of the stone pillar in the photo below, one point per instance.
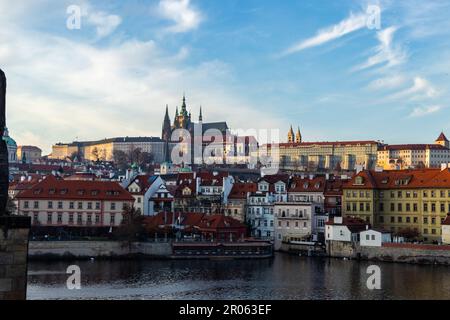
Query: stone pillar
(14, 232)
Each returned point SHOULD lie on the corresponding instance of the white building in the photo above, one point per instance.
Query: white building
(143, 188)
(260, 205)
(344, 229)
(374, 238)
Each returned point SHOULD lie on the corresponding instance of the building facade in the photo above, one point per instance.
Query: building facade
(28, 154)
(55, 202)
(405, 202)
(104, 149)
(410, 156)
(297, 155)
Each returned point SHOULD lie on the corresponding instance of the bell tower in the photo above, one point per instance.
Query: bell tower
(298, 136)
(291, 135)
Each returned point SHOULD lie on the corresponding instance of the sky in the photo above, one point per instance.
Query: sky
(325, 66)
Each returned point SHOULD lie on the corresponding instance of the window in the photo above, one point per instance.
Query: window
(59, 217)
(89, 205)
(425, 194)
(79, 218)
(415, 207)
(392, 207)
(425, 231)
(433, 207)
(113, 219)
(416, 220)
(71, 218)
(71, 205)
(408, 220)
(400, 220)
(425, 207)
(26, 205)
(49, 218)
(113, 206)
(392, 219)
(97, 206)
(399, 194)
(367, 206)
(373, 237)
(80, 205)
(425, 220)
(50, 205)
(400, 207)
(442, 207)
(36, 205)
(433, 220)
(35, 217)
(89, 218)
(97, 218)
(408, 207)
(361, 207)
(381, 219)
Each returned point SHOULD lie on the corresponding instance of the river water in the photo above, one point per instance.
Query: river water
(283, 278)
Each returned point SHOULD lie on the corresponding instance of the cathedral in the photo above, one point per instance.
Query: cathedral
(183, 120)
(294, 138)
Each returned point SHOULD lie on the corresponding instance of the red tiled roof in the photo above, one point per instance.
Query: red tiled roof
(446, 221)
(240, 190)
(327, 143)
(442, 137)
(401, 179)
(355, 225)
(53, 188)
(412, 147)
(316, 184)
(143, 181)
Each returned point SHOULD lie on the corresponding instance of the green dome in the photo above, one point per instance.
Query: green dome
(10, 142)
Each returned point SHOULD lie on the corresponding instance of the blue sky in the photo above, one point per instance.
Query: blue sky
(256, 64)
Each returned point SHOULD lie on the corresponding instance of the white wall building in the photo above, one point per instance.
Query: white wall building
(374, 238)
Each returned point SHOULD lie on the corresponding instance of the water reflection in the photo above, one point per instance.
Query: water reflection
(285, 277)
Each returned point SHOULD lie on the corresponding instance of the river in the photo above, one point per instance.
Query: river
(285, 277)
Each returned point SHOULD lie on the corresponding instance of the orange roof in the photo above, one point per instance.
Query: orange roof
(240, 190)
(401, 179)
(446, 221)
(327, 143)
(53, 188)
(442, 137)
(413, 147)
(316, 184)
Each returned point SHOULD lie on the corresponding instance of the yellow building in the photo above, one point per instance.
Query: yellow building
(402, 201)
(104, 149)
(409, 156)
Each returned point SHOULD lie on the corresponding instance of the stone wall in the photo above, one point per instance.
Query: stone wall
(407, 254)
(391, 252)
(96, 249)
(341, 249)
(13, 257)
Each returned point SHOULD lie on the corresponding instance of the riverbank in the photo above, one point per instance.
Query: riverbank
(391, 252)
(116, 250)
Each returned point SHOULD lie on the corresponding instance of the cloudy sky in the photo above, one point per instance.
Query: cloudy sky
(256, 64)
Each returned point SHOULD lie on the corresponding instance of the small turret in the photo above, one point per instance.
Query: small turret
(443, 141)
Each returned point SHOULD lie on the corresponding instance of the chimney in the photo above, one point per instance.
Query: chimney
(22, 178)
(29, 178)
(311, 177)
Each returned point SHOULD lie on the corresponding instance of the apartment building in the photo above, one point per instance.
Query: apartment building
(56, 202)
(413, 201)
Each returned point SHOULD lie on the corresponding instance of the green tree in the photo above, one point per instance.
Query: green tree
(132, 226)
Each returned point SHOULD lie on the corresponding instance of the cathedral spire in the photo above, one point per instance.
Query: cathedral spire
(200, 117)
(183, 107)
(298, 136)
(291, 135)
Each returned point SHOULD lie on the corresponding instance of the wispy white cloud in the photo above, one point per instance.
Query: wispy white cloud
(425, 111)
(420, 89)
(182, 13)
(349, 25)
(386, 53)
(388, 82)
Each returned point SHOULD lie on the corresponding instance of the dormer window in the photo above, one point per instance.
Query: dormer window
(64, 191)
(359, 180)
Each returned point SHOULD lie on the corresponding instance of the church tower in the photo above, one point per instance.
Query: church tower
(291, 135)
(298, 136)
(166, 129)
(443, 141)
(200, 117)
